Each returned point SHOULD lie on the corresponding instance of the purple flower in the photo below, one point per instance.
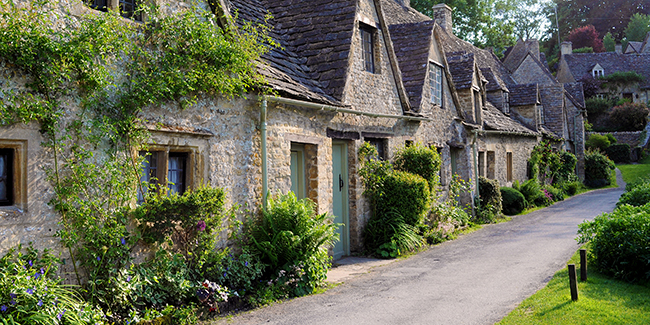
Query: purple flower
(123, 241)
(3, 308)
(36, 275)
(98, 258)
(12, 295)
(128, 278)
(40, 303)
(13, 302)
(60, 314)
(30, 291)
(42, 271)
(201, 225)
(246, 263)
(30, 263)
(225, 274)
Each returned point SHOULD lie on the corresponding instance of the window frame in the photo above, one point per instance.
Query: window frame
(368, 47)
(509, 166)
(381, 145)
(506, 102)
(162, 155)
(18, 173)
(435, 83)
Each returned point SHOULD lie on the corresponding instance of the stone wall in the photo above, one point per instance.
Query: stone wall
(529, 71)
(631, 138)
(500, 145)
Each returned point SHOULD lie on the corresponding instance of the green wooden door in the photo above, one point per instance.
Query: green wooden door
(340, 197)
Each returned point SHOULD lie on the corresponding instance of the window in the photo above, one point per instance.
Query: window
(598, 73)
(509, 166)
(129, 9)
(491, 162)
(101, 5)
(455, 156)
(600, 96)
(298, 170)
(13, 173)
(481, 163)
(380, 145)
(629, 96)
(540, 108)
(161, 167)
(506, 103)
(6, 177)
(367, 39)
(435, 83)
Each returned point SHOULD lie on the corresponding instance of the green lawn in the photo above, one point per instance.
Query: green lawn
(602, 300)
(633, 172)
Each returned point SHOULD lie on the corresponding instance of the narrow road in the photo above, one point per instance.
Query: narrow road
(477, 279)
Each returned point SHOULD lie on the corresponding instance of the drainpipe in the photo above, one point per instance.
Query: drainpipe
(475, 154)
(265, 174)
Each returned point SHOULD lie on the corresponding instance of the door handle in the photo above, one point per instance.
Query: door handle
(340, 182)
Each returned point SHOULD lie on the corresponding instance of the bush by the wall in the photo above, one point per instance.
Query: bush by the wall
(419, 160)
(636, 196)
(567, 166)
(513, 201)
(597, 169)
(619, 153)
(555, 193)
(597, 141)
(531, 190)
(406, 194)
(489, 200)
(291, 237)
(596, 106)
(620, 242)
(571, 188)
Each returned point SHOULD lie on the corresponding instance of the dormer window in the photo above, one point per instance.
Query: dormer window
(435, 83)
(368, 42)
(598, 71)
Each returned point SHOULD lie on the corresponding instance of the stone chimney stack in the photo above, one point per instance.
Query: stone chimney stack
(442, 16)
(619, 48)
(566, 48)
(533, 47)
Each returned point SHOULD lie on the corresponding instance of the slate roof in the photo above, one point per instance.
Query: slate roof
(397, 13)
(411, 43)
(494, 82)
(518, 53)
(580, 64)
(634, 47)
(576, 93)
(494, 119)
(315, 38)
(526, 94)
(484, 58)
(461, 66)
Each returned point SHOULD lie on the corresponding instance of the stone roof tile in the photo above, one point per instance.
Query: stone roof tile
(461, 67)
(526, 94)
(494, 119)
(581, 64)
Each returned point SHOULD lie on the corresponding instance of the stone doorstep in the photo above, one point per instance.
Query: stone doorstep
(350, 267)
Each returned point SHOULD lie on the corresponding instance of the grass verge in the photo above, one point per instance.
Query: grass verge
(602, 300)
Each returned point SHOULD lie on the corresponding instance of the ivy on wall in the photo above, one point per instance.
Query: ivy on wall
(87, 80)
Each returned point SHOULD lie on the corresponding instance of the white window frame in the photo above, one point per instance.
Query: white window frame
(435, 83)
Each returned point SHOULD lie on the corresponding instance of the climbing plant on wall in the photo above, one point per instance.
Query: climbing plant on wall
(87, 79)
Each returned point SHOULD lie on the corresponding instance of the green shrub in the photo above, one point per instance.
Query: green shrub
(596, 106)
(597, 141)
(406, 194)
(611, 138)
(489, 202)
(571, 188)
(597, 169)
(567, 168)
(619, 153)
(289, 236)
(544, 163)
(639, 181)
(620, 242)
(30, 294)
(513, 201)
(419, 160)
(636, 196)
(531, 190)
(555, 193)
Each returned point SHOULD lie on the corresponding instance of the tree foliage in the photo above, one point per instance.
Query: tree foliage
(493, 23)
(638, 28)
(609, 43)
(586, 36)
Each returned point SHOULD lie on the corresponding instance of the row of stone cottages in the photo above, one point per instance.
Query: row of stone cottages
(347, 71)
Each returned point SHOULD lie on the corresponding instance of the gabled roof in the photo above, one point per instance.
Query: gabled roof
(494, 82)
(397, 13)
(461, 66)
(522, 95)
(315, 38)
(575, 93)
(494, 119)
(412, 42)
(522, 50)
(633, 47)
(581, 64)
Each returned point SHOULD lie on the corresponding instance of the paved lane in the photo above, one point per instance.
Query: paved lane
(477, 279)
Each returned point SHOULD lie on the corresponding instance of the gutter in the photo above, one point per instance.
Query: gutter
(494, 132)
(475, 154)
(331, 108)
(265, 173)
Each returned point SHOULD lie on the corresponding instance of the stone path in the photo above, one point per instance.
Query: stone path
(476, 279)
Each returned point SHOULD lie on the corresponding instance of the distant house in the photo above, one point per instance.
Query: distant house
(574, 67)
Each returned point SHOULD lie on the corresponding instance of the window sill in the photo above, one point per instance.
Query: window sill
(10, 211)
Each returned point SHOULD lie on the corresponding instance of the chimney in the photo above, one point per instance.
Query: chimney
(619, 48)
(442, 16)
(566, 48)
(533, 47)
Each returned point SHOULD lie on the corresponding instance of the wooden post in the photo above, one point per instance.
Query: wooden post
(573, 282)
(583, 265)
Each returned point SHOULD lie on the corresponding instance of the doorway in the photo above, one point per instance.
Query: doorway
(341, 200)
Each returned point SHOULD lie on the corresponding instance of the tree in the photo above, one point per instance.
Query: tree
(638, 28)
(609, 42)
(492, 23)
(586, 36)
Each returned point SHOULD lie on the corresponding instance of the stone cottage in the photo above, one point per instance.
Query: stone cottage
(346, 72)
(574, 67)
